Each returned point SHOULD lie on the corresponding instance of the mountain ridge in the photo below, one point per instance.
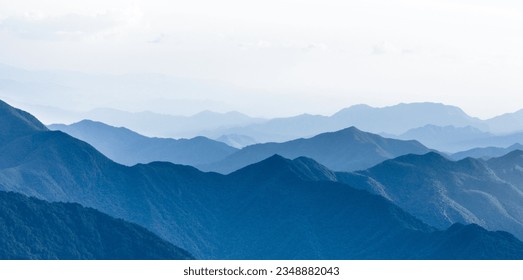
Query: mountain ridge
(128, 147)
(456, 139)
(365, 117)
(486, 153)
(344, 150)
(442, 192)
(16, 122)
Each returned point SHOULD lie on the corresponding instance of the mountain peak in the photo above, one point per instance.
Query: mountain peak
(405, 116)
(276, 166)
(358, 108)
(349, 131)
(275, 160)
(428, 159)
(15, 123)
(348, 149)
(88, 122)
(269, 167)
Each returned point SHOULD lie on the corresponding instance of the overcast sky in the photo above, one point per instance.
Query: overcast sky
(288, 55)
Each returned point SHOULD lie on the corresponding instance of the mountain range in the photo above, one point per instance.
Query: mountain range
(274, 209)
(417, 121)
(445, 138)
(456, 139)
(375, 120)
(486, 153)
(164, 125)
(237, 141)
(506, 123)
(127, 147)
(44, 92)
(345, 150)
(441, 192)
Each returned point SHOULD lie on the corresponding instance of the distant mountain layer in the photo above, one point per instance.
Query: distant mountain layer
(437, 126)
(345, 150)
(127, 147)
(43, 89)
(441, 192)
(447, 138)
(454, 139)
(154, 124)
(486, 153)
(269, 210)
(237, 141)
(392, 120)
(40, 91)
(506, 123)
(35, 229)
(429, 123)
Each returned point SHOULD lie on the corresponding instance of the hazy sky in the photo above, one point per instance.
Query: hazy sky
(286, 56)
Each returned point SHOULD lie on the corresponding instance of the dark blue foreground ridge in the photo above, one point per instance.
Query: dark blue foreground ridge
(35, 229)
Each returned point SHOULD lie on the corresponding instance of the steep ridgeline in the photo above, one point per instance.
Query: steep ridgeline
(441, 192)
(275, 209)
(509, 167)
(324, 214)
(35, 229)
(16, 123)
(345, 150)
(127, 147)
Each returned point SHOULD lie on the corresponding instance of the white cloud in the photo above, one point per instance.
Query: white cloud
(386, 47)
(158, 39)
(66, 27)
(36, 25)
(437, 50)
(383, 48)
(285, 45)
